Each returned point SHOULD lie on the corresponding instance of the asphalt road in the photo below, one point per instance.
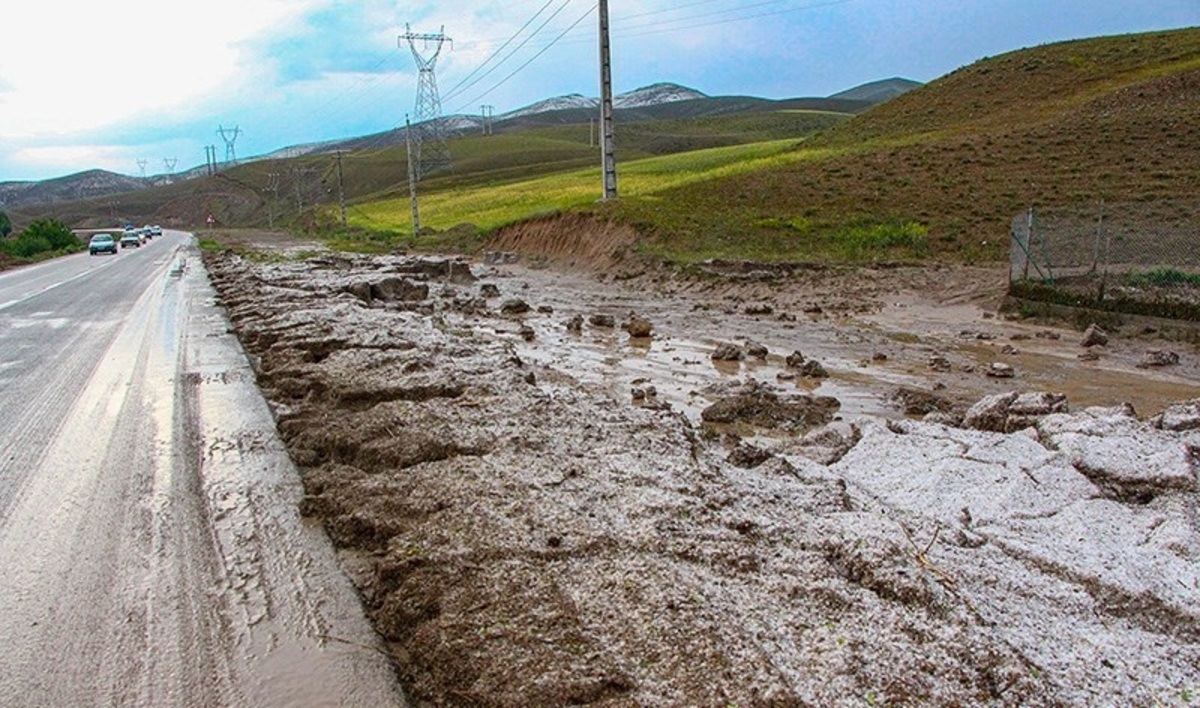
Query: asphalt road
(150, 548)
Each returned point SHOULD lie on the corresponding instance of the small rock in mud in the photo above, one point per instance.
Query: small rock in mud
(879, 357)
(527, 333)
(399, 290)
(575, 324)
(727, 351)
(639, 327)
(1012, 411)
(501, 257)
(757, 404)
(914, 401)
(1010, 350)
(1000, 370)
(759, 309)
(1089, 355)
(489, 290)
(829, 444)
(1181, 416)
(605, 321)
(1094, 336)
(360, 290)
(938, 362)
(1158, 357)
(795, 360)
(755, 350)
(812, 369)
(748, 456)
(514, 306)
(813, 309)
(1048, 334)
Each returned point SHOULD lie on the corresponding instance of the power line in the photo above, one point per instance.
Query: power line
(455, 93)
(518, 70)
(499, 49)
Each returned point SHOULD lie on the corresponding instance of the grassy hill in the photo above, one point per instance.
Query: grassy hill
(1114, 119)
(939, 171)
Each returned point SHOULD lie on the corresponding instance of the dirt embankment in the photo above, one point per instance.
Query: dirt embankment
(522, 536)
(569, 241)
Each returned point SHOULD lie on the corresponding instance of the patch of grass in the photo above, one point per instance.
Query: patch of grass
(1162, 278)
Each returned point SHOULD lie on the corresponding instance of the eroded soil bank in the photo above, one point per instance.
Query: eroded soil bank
(539, 509)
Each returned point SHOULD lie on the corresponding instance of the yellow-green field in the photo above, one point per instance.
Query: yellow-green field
(490, 207)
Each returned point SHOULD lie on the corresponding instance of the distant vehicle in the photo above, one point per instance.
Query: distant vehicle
(102, 243)
(156, 230)
(131, 238)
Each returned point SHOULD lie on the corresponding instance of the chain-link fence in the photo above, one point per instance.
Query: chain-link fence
(1141, 257)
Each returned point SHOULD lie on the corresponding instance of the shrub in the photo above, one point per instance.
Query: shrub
(42, 237)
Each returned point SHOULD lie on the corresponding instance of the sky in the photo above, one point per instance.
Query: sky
(127, 85)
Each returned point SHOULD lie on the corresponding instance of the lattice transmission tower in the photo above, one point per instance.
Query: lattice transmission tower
(431, 151)
(230, 136)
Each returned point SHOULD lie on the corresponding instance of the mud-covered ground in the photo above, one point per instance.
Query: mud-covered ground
(541, 509)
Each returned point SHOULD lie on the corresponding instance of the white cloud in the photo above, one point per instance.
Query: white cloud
(72, 65)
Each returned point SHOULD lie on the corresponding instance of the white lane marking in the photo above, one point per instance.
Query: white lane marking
(48, 288)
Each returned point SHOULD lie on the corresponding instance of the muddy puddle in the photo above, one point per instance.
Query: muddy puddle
(866, 355)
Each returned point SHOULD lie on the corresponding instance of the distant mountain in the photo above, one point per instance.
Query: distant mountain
(91, 184)
(656, 95)
(558, 103)
(878, 91)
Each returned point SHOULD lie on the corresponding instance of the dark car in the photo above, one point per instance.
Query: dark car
(102, 243)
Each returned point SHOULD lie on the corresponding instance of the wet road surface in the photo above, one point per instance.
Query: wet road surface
(151, 549)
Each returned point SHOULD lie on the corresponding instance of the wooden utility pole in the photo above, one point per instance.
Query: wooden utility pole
(412, 177)
(607, 148)
(341, 188)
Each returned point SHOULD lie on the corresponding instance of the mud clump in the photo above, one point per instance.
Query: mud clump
(759, 405)
(520, 537)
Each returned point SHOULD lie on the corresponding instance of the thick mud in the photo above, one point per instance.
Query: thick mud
(540, 508)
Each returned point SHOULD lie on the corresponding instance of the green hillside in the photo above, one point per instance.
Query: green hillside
(939, 171)
(1114, 119)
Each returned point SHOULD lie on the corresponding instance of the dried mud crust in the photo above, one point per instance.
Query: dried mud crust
(522, 537)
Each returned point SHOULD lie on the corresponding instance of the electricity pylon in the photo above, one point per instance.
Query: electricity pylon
(141, 163)
(169, 163)
(432, 152)
(230, 136)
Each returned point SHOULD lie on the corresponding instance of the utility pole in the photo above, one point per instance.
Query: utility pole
(230, 136)
(341, 188)
(432, 151)
(210, 159)
(486, 112)
(273, 188)
(141, 163)
(169, 163)
(607, 149)
(412, 177)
